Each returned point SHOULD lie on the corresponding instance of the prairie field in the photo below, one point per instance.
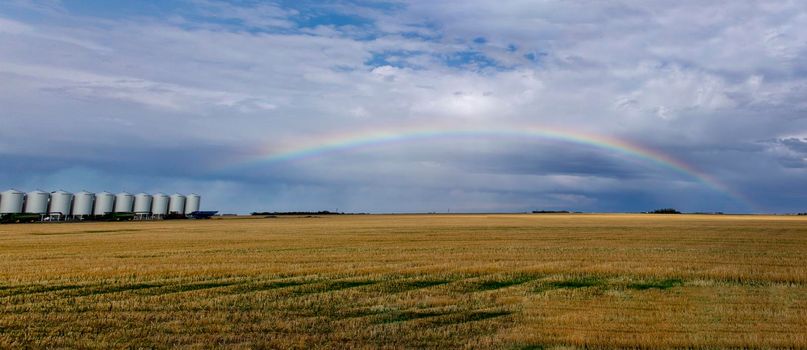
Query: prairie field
(408, 281)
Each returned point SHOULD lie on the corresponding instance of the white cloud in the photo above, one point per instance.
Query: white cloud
(87, 85)
(262, 15)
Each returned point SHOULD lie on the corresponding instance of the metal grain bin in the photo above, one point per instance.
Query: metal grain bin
(124, 202)
(83, 203)
(159, 204)
(104, 203)
(11, 202)
(36, 202)
(142, 203)
(176, 204)
(60, 203)
(192, 203)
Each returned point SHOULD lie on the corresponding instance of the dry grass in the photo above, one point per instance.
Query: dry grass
(448, 281)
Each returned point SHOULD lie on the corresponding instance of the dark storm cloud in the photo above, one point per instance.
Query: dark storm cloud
(545, 159)
(796, 145)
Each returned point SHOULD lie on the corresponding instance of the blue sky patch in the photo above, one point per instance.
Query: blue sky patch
(473, 60)
(535, 57)
(331, 19)
(392, 58)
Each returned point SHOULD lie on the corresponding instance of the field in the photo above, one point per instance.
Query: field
(404, 281)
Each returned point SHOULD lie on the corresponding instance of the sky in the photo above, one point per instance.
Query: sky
(412, 106)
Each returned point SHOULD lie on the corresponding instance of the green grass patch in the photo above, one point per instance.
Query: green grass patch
(360, 312)
(403, 316)
(472, 316)
(339, 285)
(257, 287)
(38, 288)
(657, 284)
(333, 286)
(530, 347)
(112, 231)
(440, 318)
(424, 284)
(204, 285)
(403, 286)
(578, 283)
(482, 315)
(105, 289)
(502, 283)
(571, 283)
(189, 287)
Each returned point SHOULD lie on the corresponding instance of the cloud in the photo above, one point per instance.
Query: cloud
(161, 96)
(262, 15)
(86, 85)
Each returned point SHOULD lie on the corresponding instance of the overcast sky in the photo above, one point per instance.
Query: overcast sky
(200, 95)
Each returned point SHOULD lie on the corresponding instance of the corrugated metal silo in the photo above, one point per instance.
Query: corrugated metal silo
(124, 202)
(82, 203)
(60, 203)
(142, 203)
(192, 203)
(11, 202)
(176, 204)
(36, 202)
(104, 203)
(159, 204)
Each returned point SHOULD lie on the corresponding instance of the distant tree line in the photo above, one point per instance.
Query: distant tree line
(551, 212)
(276, 213)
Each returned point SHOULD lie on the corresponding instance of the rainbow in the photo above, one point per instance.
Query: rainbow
(337, 142)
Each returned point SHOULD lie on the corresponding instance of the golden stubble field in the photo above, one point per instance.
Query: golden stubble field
(408, 281)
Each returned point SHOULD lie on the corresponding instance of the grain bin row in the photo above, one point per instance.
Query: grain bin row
(83, 204)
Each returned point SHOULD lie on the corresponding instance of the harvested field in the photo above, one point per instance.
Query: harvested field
(404, 281)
